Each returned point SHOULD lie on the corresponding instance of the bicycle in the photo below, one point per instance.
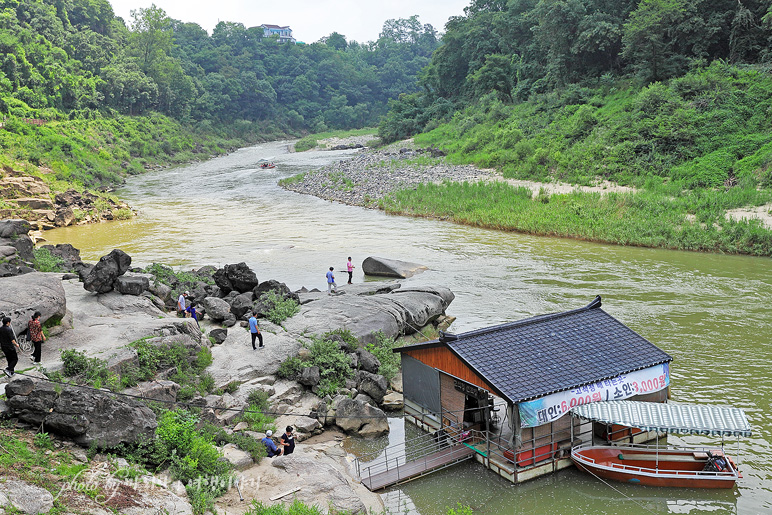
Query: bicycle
(23, 339)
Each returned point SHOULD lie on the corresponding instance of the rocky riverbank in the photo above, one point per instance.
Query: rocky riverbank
(370, 175)
(116, 318)
(28, 197)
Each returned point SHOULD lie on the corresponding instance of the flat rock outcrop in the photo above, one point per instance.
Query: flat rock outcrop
(367, 309)
(384, 267)
(87, 416)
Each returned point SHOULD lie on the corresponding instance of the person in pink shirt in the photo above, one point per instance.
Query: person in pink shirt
(350, 268)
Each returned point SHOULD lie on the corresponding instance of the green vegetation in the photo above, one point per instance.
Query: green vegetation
(181, 280)
(188, 368)
(382, 349)
(257, 404)
(324, 352)
(44, 261)
(280, 309)
(194, 460)
(299, 508)
(652, 219)
(87, 98)
(312, 140)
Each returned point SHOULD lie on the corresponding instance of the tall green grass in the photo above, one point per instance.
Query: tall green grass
(692, 220)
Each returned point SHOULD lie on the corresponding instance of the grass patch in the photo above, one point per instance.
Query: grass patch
(324, 352)
(280, 309)
(44, 261)
(382, 349)
(655, 218)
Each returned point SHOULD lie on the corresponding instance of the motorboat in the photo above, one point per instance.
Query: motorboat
(707, 466)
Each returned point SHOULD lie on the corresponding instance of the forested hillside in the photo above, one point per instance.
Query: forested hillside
(114, 96)
(623, 89)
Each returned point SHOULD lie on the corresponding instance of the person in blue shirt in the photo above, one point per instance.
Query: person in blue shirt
(191, 311)
(331, 286)
(270, 446)
(254, 330)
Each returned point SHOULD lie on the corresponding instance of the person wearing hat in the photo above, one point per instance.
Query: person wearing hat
(287, 442)
(8, 345)
(181, 304)
(270, 446)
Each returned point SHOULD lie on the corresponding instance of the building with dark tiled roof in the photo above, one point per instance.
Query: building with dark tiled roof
(514, 383)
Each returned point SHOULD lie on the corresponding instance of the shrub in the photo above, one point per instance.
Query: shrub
(290, 368)
(280, 308)
(92, 371)
(382, 349)
(44, 261)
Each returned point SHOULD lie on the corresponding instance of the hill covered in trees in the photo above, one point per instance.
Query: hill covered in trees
(113, 97)
(671, 97)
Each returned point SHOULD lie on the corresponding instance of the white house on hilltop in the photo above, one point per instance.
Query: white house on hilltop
(284, 33)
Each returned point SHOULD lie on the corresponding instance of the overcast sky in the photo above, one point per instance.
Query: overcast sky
(309, 20)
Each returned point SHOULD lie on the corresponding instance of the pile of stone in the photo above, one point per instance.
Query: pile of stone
(369, 176)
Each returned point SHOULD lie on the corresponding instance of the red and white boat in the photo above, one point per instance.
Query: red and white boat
(656, 465)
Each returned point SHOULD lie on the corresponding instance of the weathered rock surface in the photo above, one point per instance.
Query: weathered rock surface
(87, 416)
(239, 459)
(279, 288)
(238, 277)
(159, 390)
(22, 295)
(13, 233)
(367, 361)
(102, 277)
(219, 335)
(384, 267)
(367, 309)
(321, 481)
(360, 418)
(132, 285)
(217, 309)
(309, 376)
(374, 385)
(241, 305)
(393, 402)
(25, 497)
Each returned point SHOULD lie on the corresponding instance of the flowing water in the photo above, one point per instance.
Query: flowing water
(707, 311)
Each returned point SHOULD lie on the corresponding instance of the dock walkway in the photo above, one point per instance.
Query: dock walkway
(419, 467)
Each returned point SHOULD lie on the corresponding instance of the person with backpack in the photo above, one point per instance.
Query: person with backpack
(9, 346)
(36, 336)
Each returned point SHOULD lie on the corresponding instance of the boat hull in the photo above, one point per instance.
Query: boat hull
(650, 467)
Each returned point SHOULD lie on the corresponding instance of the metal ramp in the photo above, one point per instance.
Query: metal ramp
(406, 461)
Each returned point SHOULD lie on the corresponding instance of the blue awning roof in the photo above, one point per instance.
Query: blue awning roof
(668, 418)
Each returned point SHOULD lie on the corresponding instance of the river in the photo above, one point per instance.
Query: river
(707, 311)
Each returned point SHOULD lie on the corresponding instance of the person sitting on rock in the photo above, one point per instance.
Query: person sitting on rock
(287, 442)
(270, 446)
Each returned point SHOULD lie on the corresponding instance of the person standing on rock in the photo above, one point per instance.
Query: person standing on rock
(331, 286)
(350, 268)
(254, 330)
(287, 442)
(191, 310)
(8, 345)
(36, 336)
(181, 304)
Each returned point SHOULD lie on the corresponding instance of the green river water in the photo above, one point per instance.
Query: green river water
(708, 311)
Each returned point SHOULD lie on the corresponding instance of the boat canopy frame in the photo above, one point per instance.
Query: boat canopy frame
(668, 418)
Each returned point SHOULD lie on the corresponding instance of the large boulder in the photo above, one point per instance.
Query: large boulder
(367, 361)
(370, 308)
(102, 277)
(238, 277)
(374, 385)
(359, 418)
(132, 285)
(217, 309)
(13, 233)
(158, 390)
(219, 335)
(391, 267)
(280, 289)
(309, 376)
(22, 295)
(241, 305)
(89, 417)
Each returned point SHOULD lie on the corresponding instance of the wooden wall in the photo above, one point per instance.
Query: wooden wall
(443, 359)
(451, 400)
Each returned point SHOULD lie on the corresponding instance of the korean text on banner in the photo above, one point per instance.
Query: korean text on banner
(552, 407)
